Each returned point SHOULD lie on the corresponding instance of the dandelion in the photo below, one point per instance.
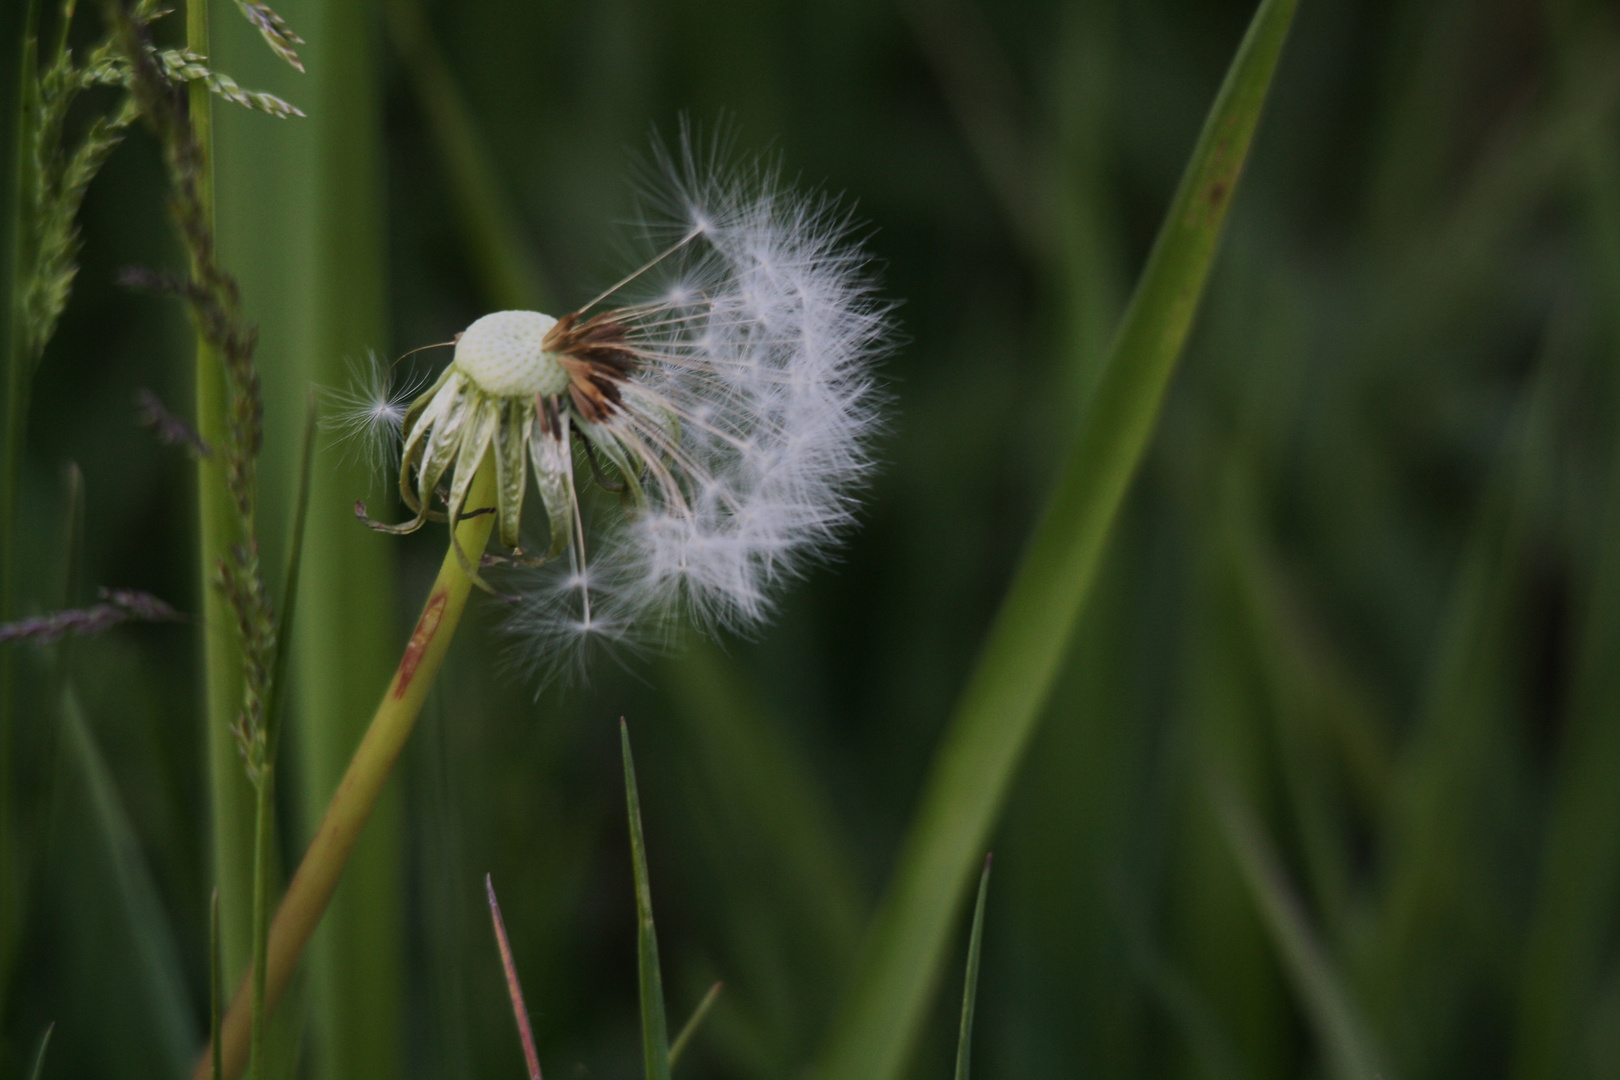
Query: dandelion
(723, 392)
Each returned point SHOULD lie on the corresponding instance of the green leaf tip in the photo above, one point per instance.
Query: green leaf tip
(654, 1029)
(970, 981)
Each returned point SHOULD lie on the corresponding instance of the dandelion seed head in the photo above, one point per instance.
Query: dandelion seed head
(504, 354)
(724, 392)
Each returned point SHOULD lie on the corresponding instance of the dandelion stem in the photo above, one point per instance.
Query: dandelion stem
(317, 877)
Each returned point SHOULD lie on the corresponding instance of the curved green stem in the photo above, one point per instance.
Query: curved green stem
(317, 877)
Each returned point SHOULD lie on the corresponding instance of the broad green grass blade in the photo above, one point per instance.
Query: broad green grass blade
(1579, 887)
(1008, 687)
(696, 1021)
(161, 992)
(654, 1030)
(301, 218)
(1322, 993)
(970, 981)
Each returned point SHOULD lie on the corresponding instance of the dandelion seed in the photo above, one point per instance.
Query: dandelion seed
(370, 412)
(723, 392)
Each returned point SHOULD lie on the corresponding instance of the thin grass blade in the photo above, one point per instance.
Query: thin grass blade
(288, 610)
(1579, 884)
(1322, 993)
(654, 1029)
(514, 989)
(749, 760)
(39, 1055)
(489, 222)
(970, 981)
(19, 185)
(694, 1023)
(216, 989)
(1009, 685)
(162, 988)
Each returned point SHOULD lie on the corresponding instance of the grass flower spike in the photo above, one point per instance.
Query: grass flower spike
(723, 392)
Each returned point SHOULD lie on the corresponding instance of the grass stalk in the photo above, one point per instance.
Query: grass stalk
(19, 258)
(264, 811)
(264, 832)
(216, 988)
(231, 795)
(1008, 687)
(317, 877)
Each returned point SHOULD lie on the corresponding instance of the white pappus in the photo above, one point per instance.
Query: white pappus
(724, 392)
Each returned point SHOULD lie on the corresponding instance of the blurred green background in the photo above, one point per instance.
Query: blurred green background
(1335, 759)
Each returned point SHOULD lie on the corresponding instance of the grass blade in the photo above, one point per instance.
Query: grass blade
(489, 223)
(39, 1055)
(694, 1023)
(1325, 999)
(231, 794)
(216, 989)
(1579, 884)
(750, 760)
(287, 612)
(302, 215)
(264, 825)
(162, 988)
(20, 179)
(654, 1030)
(1008, 688)
(514, 989)
(970, 981)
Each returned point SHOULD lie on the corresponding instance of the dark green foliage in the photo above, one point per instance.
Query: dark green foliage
(1328, 771)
